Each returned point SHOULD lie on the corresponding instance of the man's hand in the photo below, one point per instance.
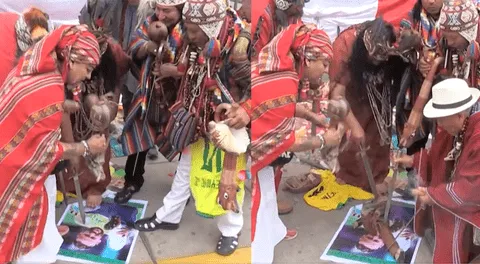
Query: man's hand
(74, 166)
(166, 70)
(358, 135)
(424, 66)
(333, 137)
(404, 160)
(422, 196)
(97, 144)
(237, 117)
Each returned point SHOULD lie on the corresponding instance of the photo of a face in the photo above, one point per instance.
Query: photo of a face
(354, 243)
(369, 243)
(89, 238)
(106, 236)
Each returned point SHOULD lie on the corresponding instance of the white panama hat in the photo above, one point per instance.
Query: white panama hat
(450, 97)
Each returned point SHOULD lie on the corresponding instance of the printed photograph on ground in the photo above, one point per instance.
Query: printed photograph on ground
(107, 235)
(355, 245)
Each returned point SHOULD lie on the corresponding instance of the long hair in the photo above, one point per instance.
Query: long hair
(107, 70)
(416, 11)
(359, 62)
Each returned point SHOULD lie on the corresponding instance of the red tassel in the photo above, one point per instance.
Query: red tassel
(181, 68)
(201, 60)
(210, 84)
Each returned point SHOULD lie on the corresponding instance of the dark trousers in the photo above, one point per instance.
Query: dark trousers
(135, 168)
(135, 165)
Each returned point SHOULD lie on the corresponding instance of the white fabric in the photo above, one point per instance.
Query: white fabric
(229, 224)
(270, 229)
(328, 14)
(48, 248)
(60, 11)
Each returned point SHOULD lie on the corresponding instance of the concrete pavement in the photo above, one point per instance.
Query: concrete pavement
(195, 236)
(315, 228)
(198, 236)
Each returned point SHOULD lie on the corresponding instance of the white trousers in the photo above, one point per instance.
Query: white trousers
(269, 230)
(47, 250)
(229, 224)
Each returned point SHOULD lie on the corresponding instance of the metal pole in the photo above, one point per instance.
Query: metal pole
(64, 189)
(391, 188)
(78, 191)
(368, 170)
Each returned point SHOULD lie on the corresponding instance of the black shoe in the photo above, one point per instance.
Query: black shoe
(227, 245)
(126, 194)
(152, 224)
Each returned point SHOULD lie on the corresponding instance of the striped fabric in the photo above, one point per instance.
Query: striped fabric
(138, 135)
(275, 89)
(31, 102)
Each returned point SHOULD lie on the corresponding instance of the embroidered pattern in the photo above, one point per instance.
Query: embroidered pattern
(22, 132)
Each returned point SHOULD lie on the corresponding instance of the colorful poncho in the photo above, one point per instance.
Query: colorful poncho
(138, 135)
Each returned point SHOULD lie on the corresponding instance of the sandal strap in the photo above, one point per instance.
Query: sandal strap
(150, 223)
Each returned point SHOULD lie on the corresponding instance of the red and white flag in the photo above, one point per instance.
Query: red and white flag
(331, 14)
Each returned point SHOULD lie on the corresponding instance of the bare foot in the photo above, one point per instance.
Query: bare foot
(284, 207)
(63, 229)
(291, 234)
(94, 200)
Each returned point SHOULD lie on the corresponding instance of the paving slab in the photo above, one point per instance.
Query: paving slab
(195, 236)
(315, 228)
(195, 240)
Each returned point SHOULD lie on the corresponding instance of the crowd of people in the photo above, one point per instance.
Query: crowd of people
(378, 68)
(198, 79)
(61, 87)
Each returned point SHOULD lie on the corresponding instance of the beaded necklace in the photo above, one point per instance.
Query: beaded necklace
(454, 154)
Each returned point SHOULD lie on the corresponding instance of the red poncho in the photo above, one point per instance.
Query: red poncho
(31, 101)
(9, 44)
(455, 207)
(274, 94)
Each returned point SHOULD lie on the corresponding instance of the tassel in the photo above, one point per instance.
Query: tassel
(474, 51)
(210, 84)
(181, 68)
(213, 49)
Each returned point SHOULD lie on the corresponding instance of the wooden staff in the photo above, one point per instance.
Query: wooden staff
(368, 170)
(78, 192)
(63, 188)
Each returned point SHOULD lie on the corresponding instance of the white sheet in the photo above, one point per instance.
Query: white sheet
(328, 14)
(48, 248)
(60, 11)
